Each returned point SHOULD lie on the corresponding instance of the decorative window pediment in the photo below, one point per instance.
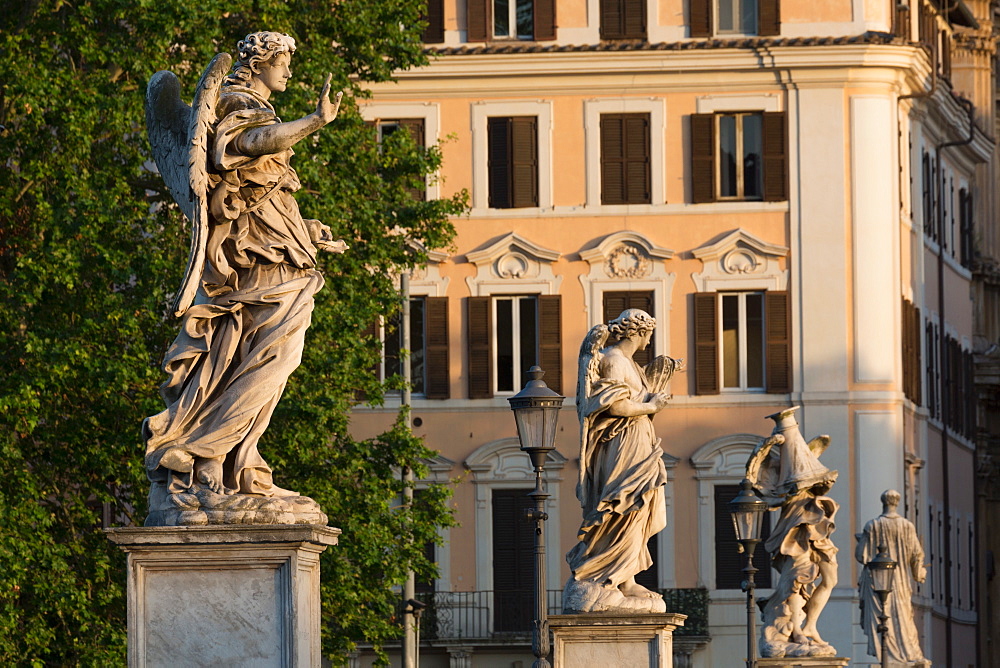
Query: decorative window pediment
(625, 256)
(740, 261)
(724, 457)
(513, 264)
(426, 280)
(503, 460)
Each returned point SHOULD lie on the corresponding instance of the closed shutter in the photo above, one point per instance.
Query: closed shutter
(918, 395)
(545, 20)
(625, 171)
(623, 19)
(480, 347)
(524, 161)
(617, 301)
(706, 347)
(415, 126)
(478, 20)
(768, 17)
(513, 561)
(498, 162)
(907, 341)
(945, 54)
(438, 373)
(700, 18)
(775, 157)
(779, 350)
(702, 158)
(901, 22)
(729, 562)
(434, 32)
(550, 340)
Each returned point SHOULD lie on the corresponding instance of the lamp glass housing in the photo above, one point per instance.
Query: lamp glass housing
(882, 568)
(747, 511)
(536, 412)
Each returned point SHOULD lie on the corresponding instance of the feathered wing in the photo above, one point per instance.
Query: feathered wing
(762, 469)
(588, 372)
(819, 445)
(178, 135)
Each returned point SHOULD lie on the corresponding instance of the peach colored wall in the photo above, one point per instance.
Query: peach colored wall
(811, 11)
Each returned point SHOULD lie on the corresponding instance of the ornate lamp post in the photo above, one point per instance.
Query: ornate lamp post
(881, 570)
(536, 411)
(747, 511)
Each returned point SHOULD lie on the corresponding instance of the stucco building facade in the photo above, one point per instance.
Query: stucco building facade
(800, 193)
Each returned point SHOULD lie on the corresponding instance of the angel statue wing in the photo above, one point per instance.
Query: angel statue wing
(762, 469)
(588, 371)
(178, 135)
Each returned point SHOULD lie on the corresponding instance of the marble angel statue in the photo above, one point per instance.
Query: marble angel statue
(787, 474)
(247, 294)
(622, 475)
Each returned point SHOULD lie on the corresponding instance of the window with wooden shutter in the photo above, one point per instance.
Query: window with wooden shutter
(779, 353)
(434, 15)
(438, 374)
(623, 19)
(619, 300)
(706, 346)
(545, 20)
(512, 154)
(550, 340)
(729, 562)
(415, 128)
(510, 19)
(625, 159)
(775, 157)
(477, 13)
(513, 560)
(703, 158)
(479, 325)
(700, 18)
(768, 17)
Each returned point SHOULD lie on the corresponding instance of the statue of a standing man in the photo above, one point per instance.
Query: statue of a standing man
(899, 537)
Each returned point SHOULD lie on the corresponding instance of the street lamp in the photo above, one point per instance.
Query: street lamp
(747, 511)
(536, 411)
(881, 570)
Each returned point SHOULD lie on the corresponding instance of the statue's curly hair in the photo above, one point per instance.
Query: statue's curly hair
(631, 321)
(257, 48)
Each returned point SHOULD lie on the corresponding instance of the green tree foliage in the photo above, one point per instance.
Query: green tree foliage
(91, 250)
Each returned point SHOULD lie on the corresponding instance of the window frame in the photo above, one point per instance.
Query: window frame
(740, 118)
(516, 351)
(737, 18)
(384, 329)
(625, 159)
(593, 111)
(743, 353)
(482, 111)
(428, 112)
(512, 18)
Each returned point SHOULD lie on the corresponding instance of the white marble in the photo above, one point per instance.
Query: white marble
(247, 294)
(898, 535)
(601, 641)
(622, 474)
(224, 596)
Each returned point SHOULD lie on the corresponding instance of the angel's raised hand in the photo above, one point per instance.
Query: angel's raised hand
(325, 109)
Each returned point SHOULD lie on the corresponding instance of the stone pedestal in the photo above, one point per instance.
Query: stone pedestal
(224, 595)
(805, 662)
(602, 640)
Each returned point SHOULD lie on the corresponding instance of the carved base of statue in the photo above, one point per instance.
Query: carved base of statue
(224, 595)
(205, 507)
(600, 641)
(586, 596)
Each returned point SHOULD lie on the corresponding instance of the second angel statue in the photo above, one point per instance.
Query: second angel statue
(622, 475)
(247, 296)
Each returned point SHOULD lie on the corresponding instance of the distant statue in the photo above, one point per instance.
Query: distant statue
(622, 475)
(899, 536)
(247, 295)
(787, 473)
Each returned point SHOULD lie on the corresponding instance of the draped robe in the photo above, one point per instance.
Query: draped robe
(899, 537)
(244, 334)
(623, 488)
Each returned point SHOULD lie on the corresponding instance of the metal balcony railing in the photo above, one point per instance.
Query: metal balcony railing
(508, 615)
